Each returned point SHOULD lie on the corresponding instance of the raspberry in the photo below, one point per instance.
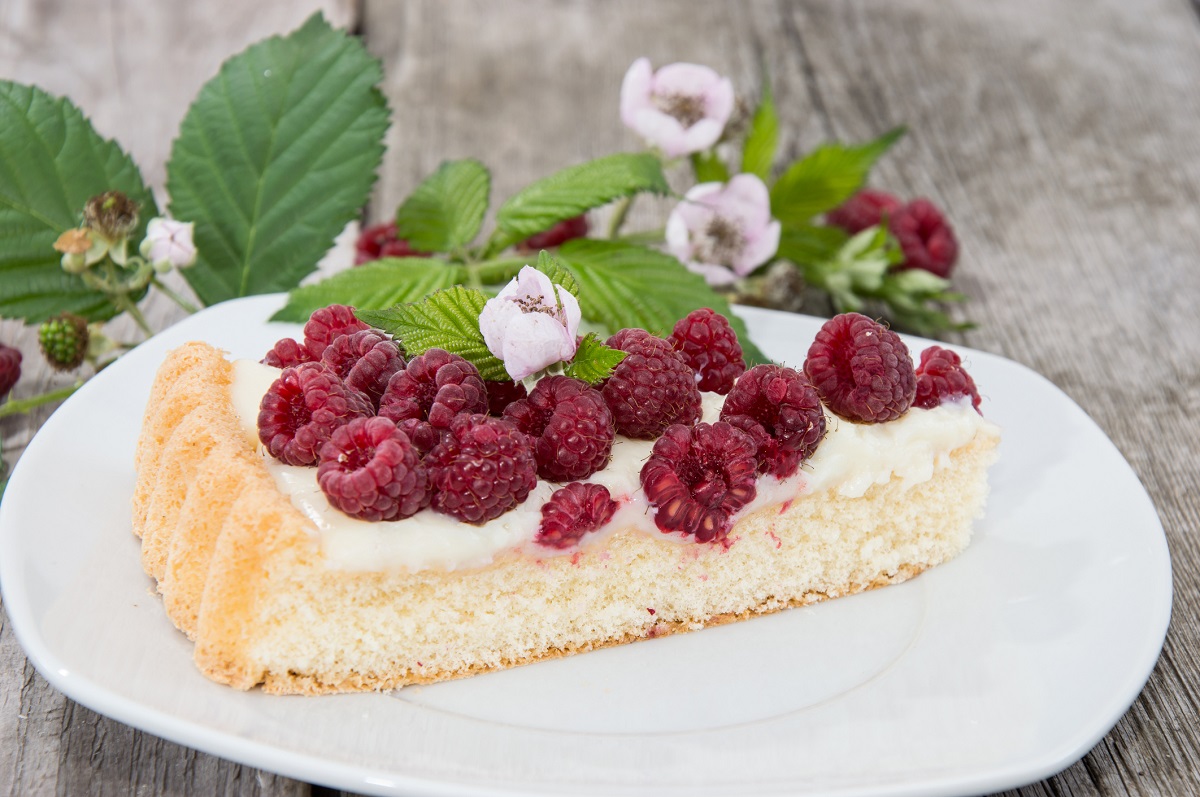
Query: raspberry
(380, 241)
(286, 352)
(365, 360)
(302, 408)
(559, 234)
(698, 476)
(782, 412)
(422, 435)
(10, 368)
(926, 237)
(710, 348)
(64, 341)
(434, 387)
(370, 470)
(572, 512)
(501, 394)
(482, 468)
(571, 427)
(941, 377)
(865, 209)
(328, 323)
(861, 369)
(652, 388)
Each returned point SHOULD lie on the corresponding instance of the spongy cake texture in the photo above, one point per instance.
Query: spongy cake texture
(241, 571)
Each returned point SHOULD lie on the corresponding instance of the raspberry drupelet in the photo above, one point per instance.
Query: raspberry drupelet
(698, 476)
(370, 470)
(782, 412)
(483, 467)
(574, 511)
(652, 388)
(861, 369)
(302, 408)
(941, 378)
(710, 346)
(571, 427)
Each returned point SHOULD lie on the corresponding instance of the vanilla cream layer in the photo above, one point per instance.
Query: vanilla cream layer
(850, 459)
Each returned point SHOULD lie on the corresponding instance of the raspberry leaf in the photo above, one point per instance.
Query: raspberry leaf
(575, 190)
(277, 153)
(549, 265)
(826, 178)
(372, 286)
(445, 212)
(593, 361)
(759, 151)
(809, 243)
(51, 162)
(447, 319)
(624, 285)
(709, 168)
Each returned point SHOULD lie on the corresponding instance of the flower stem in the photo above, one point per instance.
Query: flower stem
(24, 405)
(645, 237)
(619, 213)
(123, 301)
(173, 296)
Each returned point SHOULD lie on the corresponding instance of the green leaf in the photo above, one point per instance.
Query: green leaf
(826, 178)
(447, 319)
(51, 163)
(372, 286)
(445, 212)
(575, 190)
(709, 168)
(758, 154)
(275, 156)
(623, 285)
(809, 243)
(559, 275)
(593, 361)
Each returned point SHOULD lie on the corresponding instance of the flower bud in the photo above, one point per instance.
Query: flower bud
(168, 244)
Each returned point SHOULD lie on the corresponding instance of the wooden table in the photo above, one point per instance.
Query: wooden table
(1061, 137)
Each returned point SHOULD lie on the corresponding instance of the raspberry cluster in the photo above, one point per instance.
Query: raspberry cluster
(370, 470)
(924, 235)
(571, 426)
(710, 347)
(781, 412)
(861, 369)
(301, 410)
(380, 240)
(483, 467)
(652, 388)
(941, 378)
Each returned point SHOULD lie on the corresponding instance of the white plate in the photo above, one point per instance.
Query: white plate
(996, 669)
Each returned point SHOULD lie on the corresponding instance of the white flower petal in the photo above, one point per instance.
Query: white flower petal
(719, 101)
(701, 135)
(691, 80)
(635, 91)
(759, 249)
(713, 274)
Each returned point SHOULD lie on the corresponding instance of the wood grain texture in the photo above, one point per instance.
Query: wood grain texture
(1060, 137)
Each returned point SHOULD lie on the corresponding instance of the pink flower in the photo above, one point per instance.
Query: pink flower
(724, 230)
(531, 324)
(681, 108)
(168, 243)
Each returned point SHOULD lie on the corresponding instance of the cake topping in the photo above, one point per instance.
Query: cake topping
(302, 408)
(571, 427)
(710, 346)
(286, 353)
(698, 476)
(861, 369)
(369, 469)
(574, 511)
(328, 323)
(435, 387)
(482, 468)
(941, 377)
(501, 394)
(652, 388)
(781, 411)
(365, 360)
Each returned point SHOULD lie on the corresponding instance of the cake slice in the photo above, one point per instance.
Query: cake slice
(276, 594)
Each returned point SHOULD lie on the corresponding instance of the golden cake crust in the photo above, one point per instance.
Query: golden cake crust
(242, 574)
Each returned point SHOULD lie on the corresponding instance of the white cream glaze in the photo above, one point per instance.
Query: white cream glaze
(849, 460)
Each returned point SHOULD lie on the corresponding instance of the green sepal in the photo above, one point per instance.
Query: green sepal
(593, 361)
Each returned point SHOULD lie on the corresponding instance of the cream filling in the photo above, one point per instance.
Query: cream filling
(850, 459)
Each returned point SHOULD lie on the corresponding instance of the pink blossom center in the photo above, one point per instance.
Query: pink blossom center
(686, 108)
(721, 242)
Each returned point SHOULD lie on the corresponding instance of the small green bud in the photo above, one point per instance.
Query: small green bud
(64, 341)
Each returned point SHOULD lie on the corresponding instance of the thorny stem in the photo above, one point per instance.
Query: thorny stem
(173, 296)
(19, 406)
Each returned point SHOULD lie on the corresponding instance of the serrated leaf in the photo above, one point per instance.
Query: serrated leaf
(709, 168)
(593, 361)
(447, 319)
(549, 265)
(445, 212)
(274, 157)
(809, 243)
(623, 285)
(575, 190)
(51, 162)
(758, 154)
(372, 286)
(826, 178)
